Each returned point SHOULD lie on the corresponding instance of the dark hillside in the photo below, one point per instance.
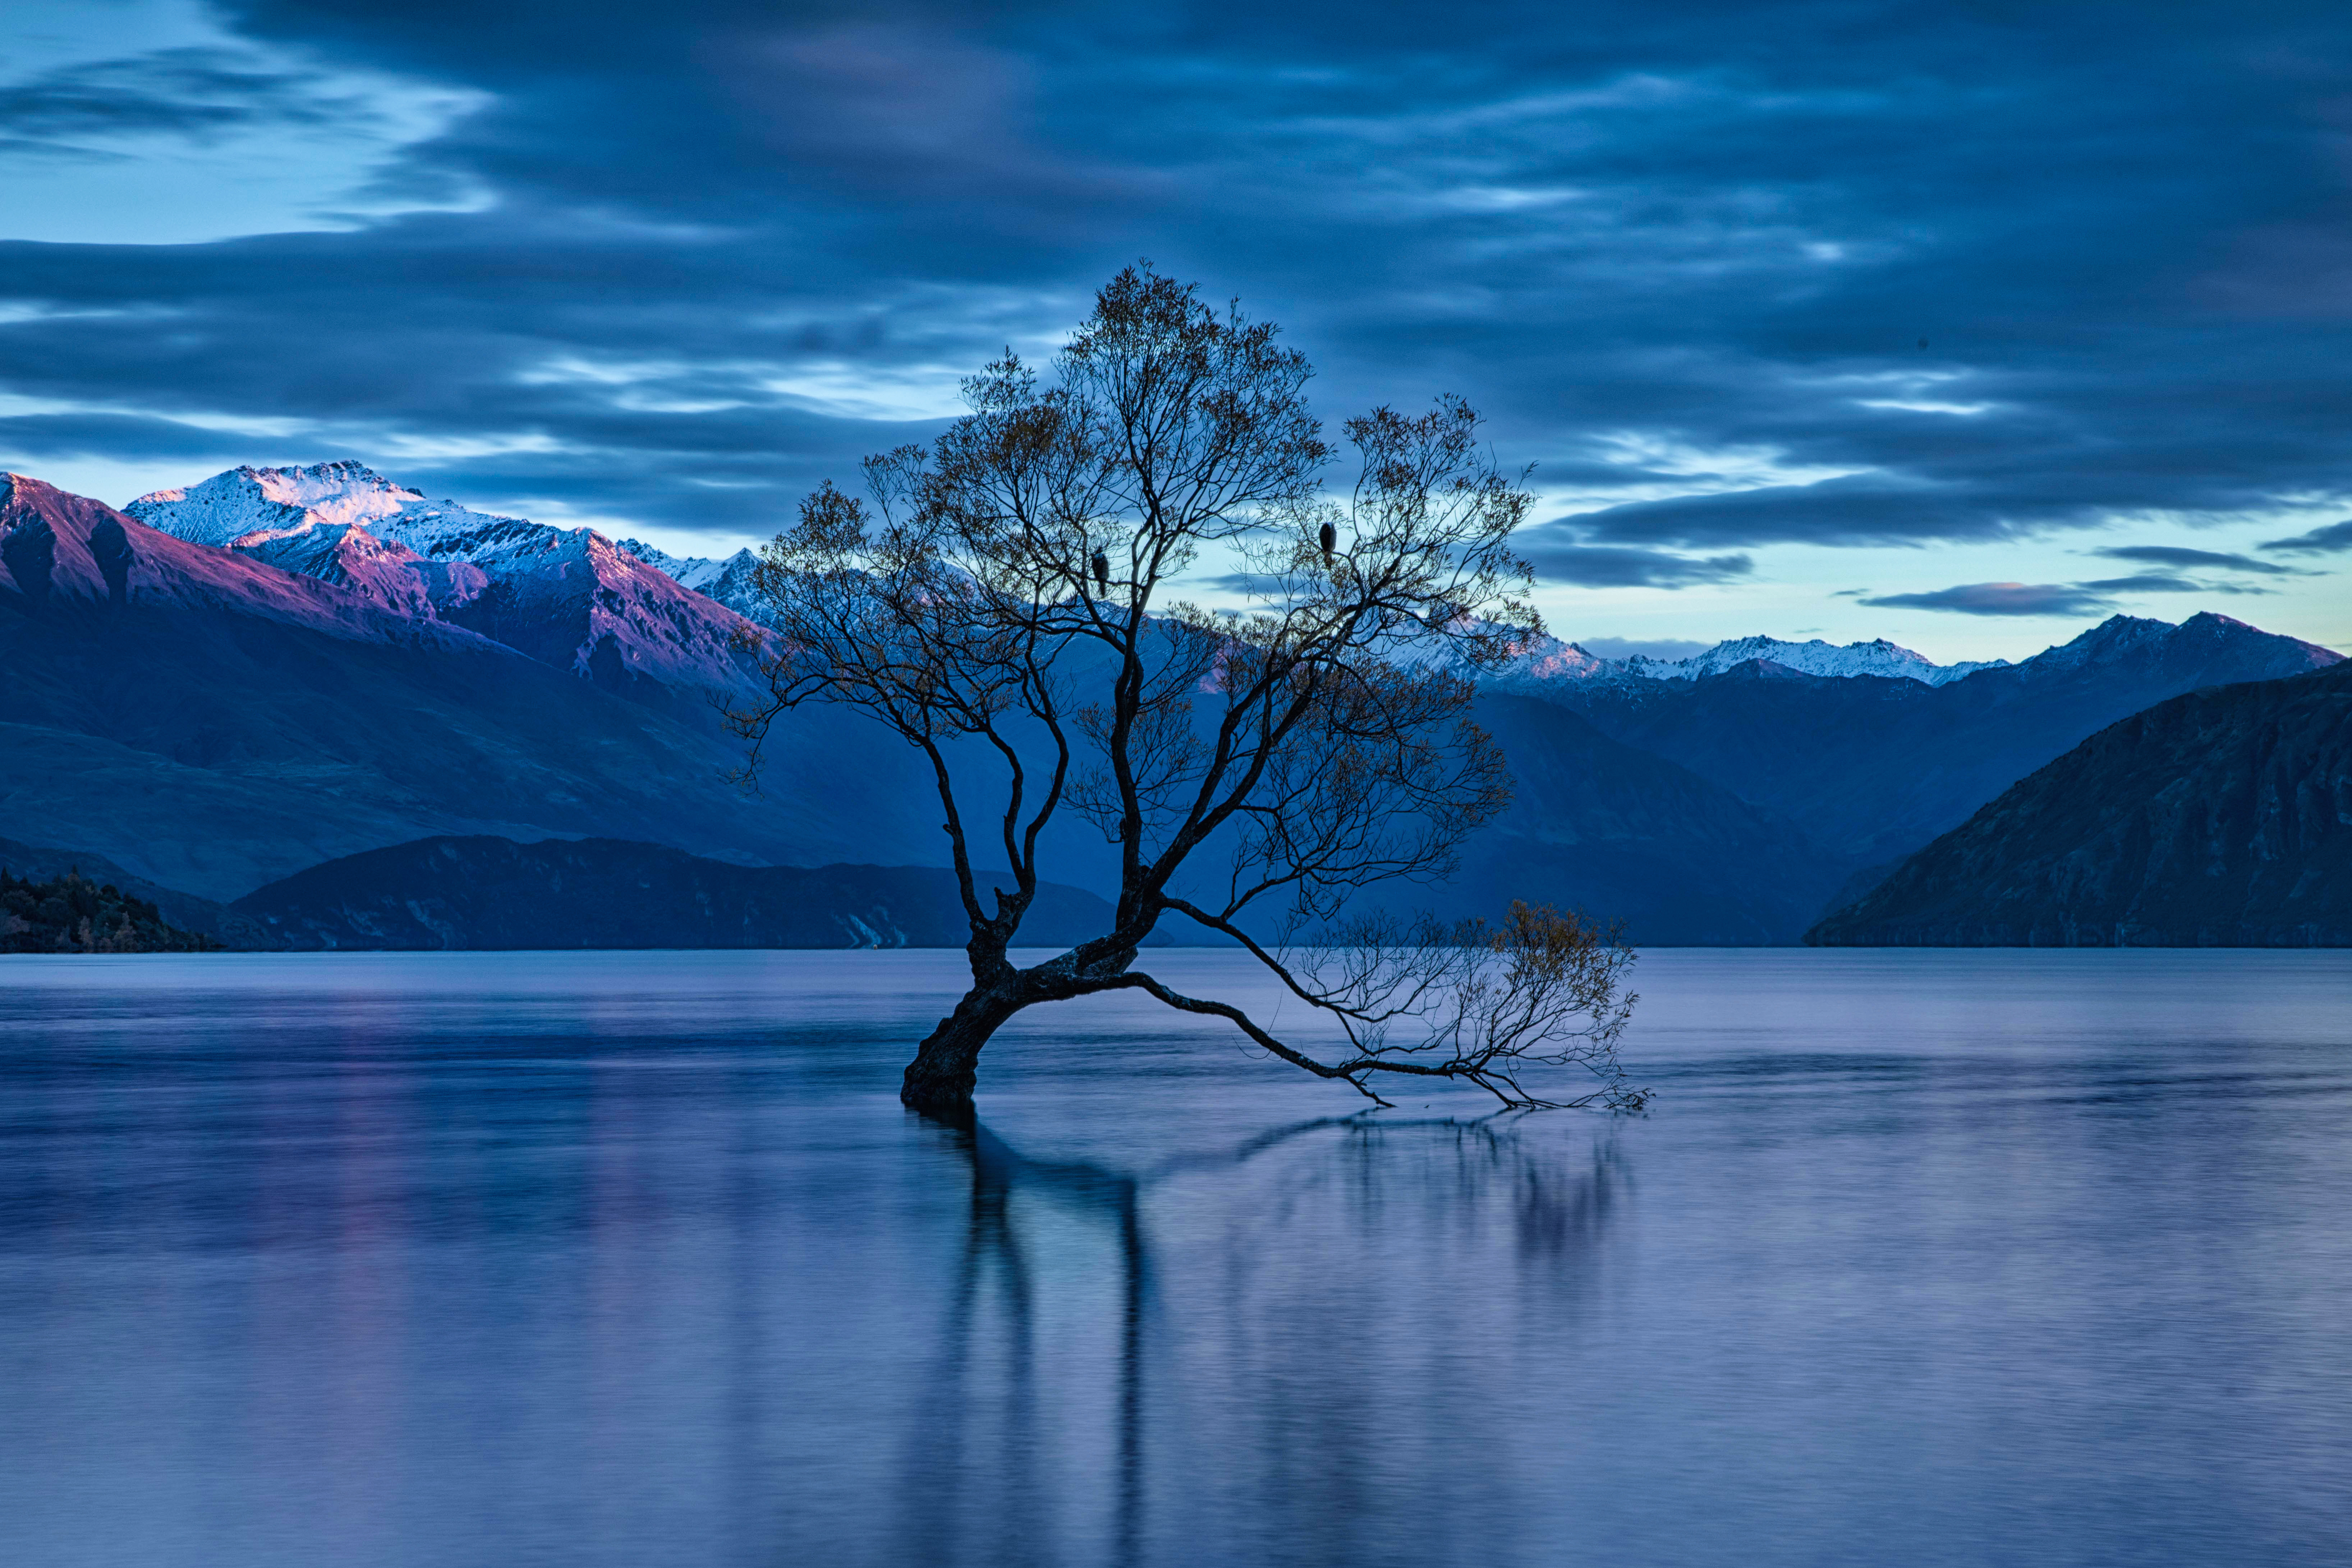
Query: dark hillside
(1622, 835)
(2218, 819)
(494, 893)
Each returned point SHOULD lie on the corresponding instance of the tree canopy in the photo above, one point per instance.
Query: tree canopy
(1014, 586)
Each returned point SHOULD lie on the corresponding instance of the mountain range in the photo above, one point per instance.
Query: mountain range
(728, 579)
(1547, 660)
(209, 722)
(1871, 767)
(225, 685)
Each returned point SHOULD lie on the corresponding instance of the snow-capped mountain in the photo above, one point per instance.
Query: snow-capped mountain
(348, 555)
(2119, 640)
(204, 720)
(60, 549)
(2195, 644)
(568, 596)
(727, 579)
(1548, 662)
(1878, 657)
(216, 715)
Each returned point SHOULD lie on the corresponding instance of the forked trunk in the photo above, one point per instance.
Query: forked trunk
(939, 1079)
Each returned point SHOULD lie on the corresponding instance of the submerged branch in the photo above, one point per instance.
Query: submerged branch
(1474, 1003)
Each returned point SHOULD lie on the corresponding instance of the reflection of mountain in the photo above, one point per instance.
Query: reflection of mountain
(1069, 1316)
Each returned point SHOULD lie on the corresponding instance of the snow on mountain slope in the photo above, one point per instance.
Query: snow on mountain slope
(1816, 658)
(1547, 661)
(727, 579)
(1876, 768)
(60, 550)
(2119, 640)
(246, 504)
(570, 597)
(694, 572)
(350, 556)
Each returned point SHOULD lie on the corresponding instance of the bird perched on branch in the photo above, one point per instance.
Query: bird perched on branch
(1102, 573)
(1331, 541)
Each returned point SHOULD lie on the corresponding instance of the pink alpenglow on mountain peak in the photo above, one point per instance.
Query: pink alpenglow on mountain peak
(249, 506)
(66, 554)
(567, 596)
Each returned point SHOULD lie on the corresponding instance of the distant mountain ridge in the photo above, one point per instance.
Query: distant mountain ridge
(1872, 768)
(1549, 663)
(1546, 665)
(2221, 818)
(62, 553)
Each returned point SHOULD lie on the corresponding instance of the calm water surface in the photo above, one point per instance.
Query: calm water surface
(595, 1259)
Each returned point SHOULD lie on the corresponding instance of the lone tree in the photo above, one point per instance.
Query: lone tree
(1000, 606)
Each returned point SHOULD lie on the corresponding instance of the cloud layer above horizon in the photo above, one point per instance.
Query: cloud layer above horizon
(1745, 281)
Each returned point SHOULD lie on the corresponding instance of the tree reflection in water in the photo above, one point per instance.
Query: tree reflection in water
(1031, 1442)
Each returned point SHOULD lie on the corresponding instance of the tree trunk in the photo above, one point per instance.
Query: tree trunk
(939, 1081)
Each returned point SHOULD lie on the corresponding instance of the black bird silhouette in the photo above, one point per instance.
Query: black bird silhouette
(1102, 573)
(1330, 539)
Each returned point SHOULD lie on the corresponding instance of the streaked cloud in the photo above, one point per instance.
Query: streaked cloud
(2167, 583)
(2064, 599)
(1742, 279)
(2334, 539)
(1561, 554)
(2175, 555)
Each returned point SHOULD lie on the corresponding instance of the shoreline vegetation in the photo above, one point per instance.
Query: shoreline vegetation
(71, 913)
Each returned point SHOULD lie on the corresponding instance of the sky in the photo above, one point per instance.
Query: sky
(1965, 325)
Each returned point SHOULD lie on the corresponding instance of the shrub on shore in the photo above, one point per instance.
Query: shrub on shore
(73, 914)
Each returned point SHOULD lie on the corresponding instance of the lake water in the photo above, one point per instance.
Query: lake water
(598, 1259)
